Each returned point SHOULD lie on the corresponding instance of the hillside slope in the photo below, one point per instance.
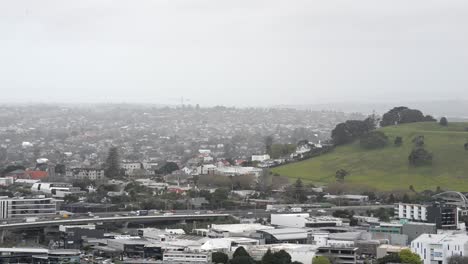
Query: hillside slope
(387, 168)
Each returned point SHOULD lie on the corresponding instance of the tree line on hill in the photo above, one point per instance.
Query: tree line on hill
(370, 138)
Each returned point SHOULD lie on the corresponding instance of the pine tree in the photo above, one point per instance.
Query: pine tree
(112, 165)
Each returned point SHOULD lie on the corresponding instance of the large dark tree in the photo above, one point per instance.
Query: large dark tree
(398, 141)
(443, 121)
(268, 144)
(392, 117)
(341, 174)
(411, 116)
(241, 256)
(112, 165)
(282, 257)
(219, 257)
(350, 130)
(374, 140)
(268, 258)
(299, 192)
(420, 157)
(402, 115)
(168, 168)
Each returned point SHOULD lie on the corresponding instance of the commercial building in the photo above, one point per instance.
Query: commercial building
(285, 235)
(260, 158)
(186, 257)
(341, 255)
(350, 198)
(55, 189)
(437, 248)
(445, 216)
(384, 250)
(38, 255)
(304, 220)
(414, 229)
(27, 207)
(85, 174)
(71, 236)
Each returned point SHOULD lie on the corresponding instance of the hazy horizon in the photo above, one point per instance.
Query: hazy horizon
(242, 53)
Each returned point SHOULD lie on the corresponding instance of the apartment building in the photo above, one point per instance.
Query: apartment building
(445, 216)
(438, 248)
(85, 174)
(27, 207)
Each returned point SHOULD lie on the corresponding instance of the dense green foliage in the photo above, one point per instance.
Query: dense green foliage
(219, 257)
(388, 168)
(420, 157)
(403, 115)
(241, 256)
(281, 150)
(351, 130)
(373, 140)
(112, 165)
(168, 168)
(390, 258)
(398, 141)
(409, 257)
(443, 121)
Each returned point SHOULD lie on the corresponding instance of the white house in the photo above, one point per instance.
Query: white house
(260, 158)
(438, 248)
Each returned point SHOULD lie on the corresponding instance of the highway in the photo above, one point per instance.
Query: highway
(120, 216)
(113, 219)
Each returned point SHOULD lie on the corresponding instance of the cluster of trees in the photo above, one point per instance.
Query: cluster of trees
(351, 130)
(374, 140)
(112, 169)
(281, 150)
(341, 174)
(241, 256)
(419, 156)
(278, 150)
(405, 256)
(11, 168)
(403, 115)
(168, 168)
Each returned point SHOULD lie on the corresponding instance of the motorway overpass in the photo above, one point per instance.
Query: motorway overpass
(113, 219)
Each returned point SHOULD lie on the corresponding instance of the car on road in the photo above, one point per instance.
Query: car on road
(197, 212)
(250, 213)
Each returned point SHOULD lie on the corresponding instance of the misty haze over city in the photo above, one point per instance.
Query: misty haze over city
(238, 53)
(234, 132)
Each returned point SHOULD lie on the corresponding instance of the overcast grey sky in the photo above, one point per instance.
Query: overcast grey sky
(239, 52)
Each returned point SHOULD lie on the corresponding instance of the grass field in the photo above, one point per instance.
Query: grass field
(387, 169)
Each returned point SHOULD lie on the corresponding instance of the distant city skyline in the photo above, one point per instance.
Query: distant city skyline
(242, 53)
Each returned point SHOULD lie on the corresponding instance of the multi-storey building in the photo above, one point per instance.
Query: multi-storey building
(55, 189)
(438, 248)
(85, 174)
(445, 216)
(341, 255)
(27, 207)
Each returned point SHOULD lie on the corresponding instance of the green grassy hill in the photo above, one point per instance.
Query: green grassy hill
(387, 168)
